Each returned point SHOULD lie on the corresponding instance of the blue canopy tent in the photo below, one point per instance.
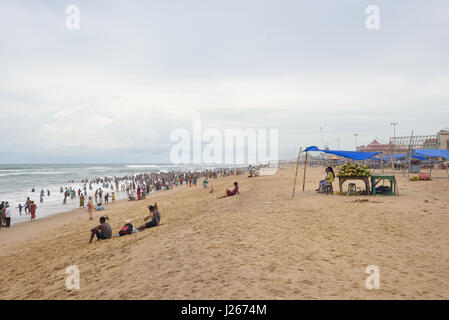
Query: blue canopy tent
(401, 156)
(354, 155)
(434, 153)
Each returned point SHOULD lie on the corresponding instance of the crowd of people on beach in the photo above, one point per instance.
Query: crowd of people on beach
(104, 231)
(6, 213)
(136, 186)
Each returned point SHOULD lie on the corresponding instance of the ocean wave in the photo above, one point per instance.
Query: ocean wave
(142, 166)
(32, 173)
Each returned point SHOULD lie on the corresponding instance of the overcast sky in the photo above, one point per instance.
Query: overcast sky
(115, 89)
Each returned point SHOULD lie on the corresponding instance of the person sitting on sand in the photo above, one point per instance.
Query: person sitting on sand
(100, 207)
(103, 231)
(230, 193)
(155, 218)
(328, 180)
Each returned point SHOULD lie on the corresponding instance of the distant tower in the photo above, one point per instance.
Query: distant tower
(325, 145)
(394, 124)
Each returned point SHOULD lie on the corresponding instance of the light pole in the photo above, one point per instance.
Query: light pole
(394, 124)
(356, 135)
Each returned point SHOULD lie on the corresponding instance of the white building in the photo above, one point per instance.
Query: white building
(443, 139)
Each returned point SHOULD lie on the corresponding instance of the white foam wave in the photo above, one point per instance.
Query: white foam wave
(142, 166)
(32, 173)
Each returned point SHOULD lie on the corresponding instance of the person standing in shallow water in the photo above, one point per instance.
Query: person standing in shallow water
(27, 205)
(33, 208)
(81, 200)
(7, 214)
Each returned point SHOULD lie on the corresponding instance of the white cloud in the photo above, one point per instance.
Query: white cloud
(134, 72)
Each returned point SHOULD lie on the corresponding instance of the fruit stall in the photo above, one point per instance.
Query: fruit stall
(351, 172)
(348, 171)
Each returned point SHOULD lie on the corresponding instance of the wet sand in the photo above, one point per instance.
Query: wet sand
(261, 244)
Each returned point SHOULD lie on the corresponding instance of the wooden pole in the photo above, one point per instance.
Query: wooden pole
(409, 154)
(305, 169)
(391, 158)
(296, 172)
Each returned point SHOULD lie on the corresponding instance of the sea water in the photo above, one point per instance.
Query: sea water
(17, 181)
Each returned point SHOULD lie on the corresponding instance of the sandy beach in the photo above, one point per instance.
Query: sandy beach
(261, 244)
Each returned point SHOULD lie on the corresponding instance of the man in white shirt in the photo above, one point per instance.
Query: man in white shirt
(7, 214)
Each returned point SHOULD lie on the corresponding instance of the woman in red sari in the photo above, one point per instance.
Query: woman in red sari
(33, 208)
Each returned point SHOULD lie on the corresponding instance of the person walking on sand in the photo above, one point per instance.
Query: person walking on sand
(90, 206)
(33, 208)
